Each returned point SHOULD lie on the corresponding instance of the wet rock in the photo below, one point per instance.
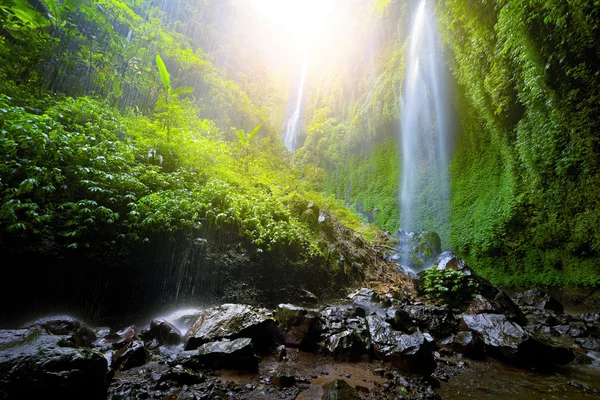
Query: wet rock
(281, 352)
(481, 305)
(109, 340)
(231, 321)
(236, 354)
(422, 248)
(183, 319)
(284, 378)
(470, 344)
(400, 320)
(448, 260)
(366, 301)
(504, 337)
(438, 320)
(164, 332)
(79, 333)
(588, 343)
(339, 389)
(182, 376)
(299, 327)
(345, 346)
(36, 365)
(490, 296)
(334, 318)
(409, 353)
(134, 354)
(538, 299)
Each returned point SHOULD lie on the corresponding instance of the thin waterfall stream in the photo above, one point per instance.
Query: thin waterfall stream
(424, 131)
(290, 138)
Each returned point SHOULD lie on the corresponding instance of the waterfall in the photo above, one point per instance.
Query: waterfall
(425, 131)
(290, 138)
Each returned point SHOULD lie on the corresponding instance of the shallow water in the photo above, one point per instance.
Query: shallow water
(494, 380)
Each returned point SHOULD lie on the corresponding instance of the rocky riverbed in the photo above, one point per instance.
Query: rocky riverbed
(375, 344)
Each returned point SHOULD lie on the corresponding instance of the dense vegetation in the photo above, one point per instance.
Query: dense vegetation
(526, 170)
(124, 119)
(117, 131)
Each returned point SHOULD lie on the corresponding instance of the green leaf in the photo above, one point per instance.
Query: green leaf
(182, 90)
(254, 132)
(28, 15)
(242, 136)
(165, 77)
(52, 8)
(117, 87)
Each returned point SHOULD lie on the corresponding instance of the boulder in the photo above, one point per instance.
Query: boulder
(409, 353)
(345, 346)
(164, 332)
(109, 340)
(299, 327)
(339, 389)
(507, 339)
(231, 321)
(183, 319)
(235, 354)
(366, 301)
(538, 299)
(79, 333)
(420, 249)
(438, 320)
(490, 296)
(35, 365)
(470, 344)
(133, 354)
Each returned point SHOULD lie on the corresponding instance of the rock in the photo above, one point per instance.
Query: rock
(345, 346)
(164, 332)
(421, 248)
(538, 299)
(79, 333)
(334, 318)
(448, 260)
(366, 301)
(299, 327)
(400, 320)
(481, 305)
(504, 337)
(182, 376)
(36, 365)
(490, 296)
(183, 319)
(339, 389)
(438, 320)
(284, 378)
(236, 354)
(409, 353)
(231, 321)
(470, 344)
(108, 340)
(134, 354)
(280, 352)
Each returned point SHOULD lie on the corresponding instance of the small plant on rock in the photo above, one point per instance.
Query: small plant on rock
(451, 287)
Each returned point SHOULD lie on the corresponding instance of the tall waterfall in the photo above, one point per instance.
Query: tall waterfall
(425, 130)
(290, 138)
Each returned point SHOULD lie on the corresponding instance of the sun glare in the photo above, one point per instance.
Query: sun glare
(303, 20)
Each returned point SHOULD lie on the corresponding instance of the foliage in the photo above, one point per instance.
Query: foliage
(78, 171)
(526, 167)
(448, 286)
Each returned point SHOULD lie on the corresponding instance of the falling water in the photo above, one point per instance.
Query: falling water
(425, 132)
(293, 126)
